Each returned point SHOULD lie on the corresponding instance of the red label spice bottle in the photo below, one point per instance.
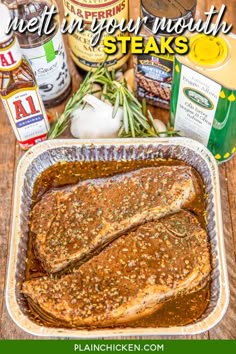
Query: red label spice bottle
(18, 90)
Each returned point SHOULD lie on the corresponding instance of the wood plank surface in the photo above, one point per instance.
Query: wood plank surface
(7, 165)
(9, 157)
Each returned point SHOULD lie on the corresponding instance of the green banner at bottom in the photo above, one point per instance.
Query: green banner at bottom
(117, 346)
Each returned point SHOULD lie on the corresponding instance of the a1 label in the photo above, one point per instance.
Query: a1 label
(10, 57)
(26, 113)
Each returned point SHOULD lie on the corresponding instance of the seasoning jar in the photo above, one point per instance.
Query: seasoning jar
(46, 53)
(173, 10)
(153, 72)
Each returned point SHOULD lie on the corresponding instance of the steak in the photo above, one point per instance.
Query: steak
(130, 278)
(71, 222)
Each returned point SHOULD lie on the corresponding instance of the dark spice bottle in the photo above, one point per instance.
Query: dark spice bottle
(46, 53)
(18, 90)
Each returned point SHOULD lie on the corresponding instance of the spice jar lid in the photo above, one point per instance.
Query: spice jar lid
(207, 50)
(5, 19)
(170, 9)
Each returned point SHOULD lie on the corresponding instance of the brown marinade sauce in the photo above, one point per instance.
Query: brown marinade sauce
(182, 310)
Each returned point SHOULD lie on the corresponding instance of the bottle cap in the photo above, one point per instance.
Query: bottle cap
(5, 19)
(207, 50)
(169, 9)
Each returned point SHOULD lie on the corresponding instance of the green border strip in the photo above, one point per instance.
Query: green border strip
(117, 346)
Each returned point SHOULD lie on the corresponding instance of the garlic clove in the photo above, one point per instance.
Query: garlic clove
(119, 75)
(97, 89)
(129, 76)
(161, 127)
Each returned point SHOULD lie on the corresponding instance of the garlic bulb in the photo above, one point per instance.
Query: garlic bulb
(94, 120)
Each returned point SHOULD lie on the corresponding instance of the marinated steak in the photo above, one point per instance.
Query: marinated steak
(70, 222)
(131, 277)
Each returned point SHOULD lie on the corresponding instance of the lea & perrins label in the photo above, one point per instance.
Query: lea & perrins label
(18, 90)
(83, 54)
(203, 102)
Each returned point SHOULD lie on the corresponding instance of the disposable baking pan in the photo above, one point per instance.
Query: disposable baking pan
(48, 153)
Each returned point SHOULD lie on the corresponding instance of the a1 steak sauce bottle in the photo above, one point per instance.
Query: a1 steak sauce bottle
(45, 52)
(18, 90)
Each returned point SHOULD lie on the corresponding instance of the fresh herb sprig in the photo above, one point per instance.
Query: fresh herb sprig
(74, 102)
(134, 121)
(134, 124)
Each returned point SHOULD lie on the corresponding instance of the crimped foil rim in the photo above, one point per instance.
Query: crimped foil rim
(198, 153)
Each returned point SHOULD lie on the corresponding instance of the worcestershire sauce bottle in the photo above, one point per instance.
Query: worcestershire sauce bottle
(18, 90)
(85, 56)
(46, 52)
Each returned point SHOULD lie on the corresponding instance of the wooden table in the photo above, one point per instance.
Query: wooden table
(10, 154)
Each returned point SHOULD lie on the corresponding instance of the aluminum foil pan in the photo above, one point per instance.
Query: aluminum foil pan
(46, 154)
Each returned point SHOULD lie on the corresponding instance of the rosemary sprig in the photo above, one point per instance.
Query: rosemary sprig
(62, 121)
(134, 124)
(134, 121)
